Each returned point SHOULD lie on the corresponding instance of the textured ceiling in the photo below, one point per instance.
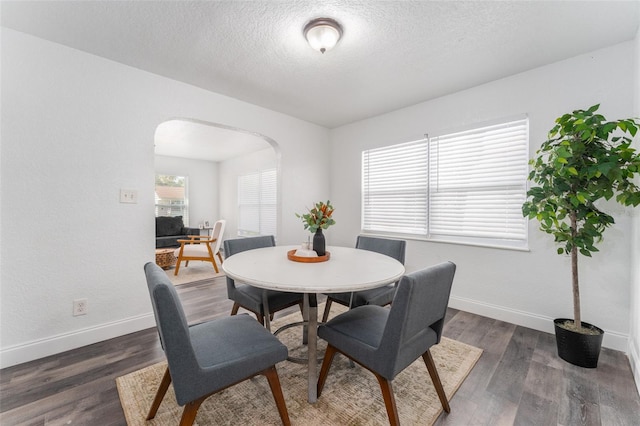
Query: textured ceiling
(393, 53)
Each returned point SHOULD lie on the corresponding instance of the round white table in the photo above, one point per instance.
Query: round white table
(347, 270)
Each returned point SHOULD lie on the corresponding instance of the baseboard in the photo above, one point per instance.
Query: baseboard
(63, 342)
(634, 360)
(612, 340)
(52, 345)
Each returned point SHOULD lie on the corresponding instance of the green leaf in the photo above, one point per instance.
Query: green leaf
(581, 197)
(585, 252)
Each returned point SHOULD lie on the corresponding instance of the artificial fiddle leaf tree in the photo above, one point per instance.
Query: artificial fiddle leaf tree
(585, 159)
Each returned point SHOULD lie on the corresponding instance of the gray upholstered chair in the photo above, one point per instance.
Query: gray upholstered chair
(381, 296)
(248, 297)
(209, 357)
(386, 341)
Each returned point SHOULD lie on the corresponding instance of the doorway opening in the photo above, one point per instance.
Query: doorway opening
(215, 160)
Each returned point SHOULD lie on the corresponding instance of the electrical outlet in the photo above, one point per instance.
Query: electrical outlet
(80, 307)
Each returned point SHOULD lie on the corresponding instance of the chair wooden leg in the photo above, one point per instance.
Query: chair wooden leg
(162, 390)
(276, 390)
(433, 372)
(212, 259)
(234, 310)
(324, 370)
(190, 411)
(327, 308)
(220, 257)
(186, 263)
(179, 259)
(389, 400)
(215, 265)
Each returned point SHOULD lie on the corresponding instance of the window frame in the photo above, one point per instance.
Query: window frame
(518, 222)
(184, 207)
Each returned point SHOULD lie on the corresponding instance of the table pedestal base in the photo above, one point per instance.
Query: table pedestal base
(310, 331)
(305, 339)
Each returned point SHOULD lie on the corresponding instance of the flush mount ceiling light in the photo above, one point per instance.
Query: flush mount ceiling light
(322, 33)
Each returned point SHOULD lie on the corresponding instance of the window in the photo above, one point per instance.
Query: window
(257, 203)
(465, 187)
(395, 182)
(171, 197)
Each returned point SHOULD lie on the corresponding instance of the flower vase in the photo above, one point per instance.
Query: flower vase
(318, 242)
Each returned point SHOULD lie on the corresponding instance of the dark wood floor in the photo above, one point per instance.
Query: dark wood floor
(519, 380)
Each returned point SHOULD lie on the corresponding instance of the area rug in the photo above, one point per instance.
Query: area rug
(351, 395)
(196, 271)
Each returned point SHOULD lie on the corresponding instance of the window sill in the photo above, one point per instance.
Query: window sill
(506, 245)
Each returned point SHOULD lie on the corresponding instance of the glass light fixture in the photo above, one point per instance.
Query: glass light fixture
(322, 33)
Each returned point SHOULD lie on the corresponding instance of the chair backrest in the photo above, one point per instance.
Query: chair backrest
(416, 317)
(173, 329)
(392, 248)
(239, 245)
(218, 233)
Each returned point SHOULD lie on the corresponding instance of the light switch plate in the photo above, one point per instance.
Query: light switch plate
(128, 196)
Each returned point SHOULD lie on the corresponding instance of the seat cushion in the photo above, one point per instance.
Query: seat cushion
(228, 350)
(193, 250)
(357, 332)
(363, 325)
(237, 339)
(376, 296)
(251, 298)
(169, 242)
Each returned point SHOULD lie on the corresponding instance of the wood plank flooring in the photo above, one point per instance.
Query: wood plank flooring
(519, 380)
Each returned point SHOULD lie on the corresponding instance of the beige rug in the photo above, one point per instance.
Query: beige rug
(196, 271)
(351, 395)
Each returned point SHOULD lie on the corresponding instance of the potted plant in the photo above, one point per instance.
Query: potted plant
(584, 160)
(318, 218)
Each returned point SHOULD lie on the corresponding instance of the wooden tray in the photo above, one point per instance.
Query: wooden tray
(291, 255)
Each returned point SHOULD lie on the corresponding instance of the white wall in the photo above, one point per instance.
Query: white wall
(634, 321)
(229, 172)
(528, 288)
(202, 186)
(75, 129)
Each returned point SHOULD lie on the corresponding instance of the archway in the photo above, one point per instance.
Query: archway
(214, 155)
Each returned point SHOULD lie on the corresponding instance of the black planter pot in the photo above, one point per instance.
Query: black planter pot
(578, 349)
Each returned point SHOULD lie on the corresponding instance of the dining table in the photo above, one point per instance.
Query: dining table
(344, 270)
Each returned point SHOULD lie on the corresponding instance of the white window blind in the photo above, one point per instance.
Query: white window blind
(257, 203)
(268, 185)
(463, 187)
(395, 189)
(477, 182)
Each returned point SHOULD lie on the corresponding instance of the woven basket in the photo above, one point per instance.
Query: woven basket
(165, 258)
